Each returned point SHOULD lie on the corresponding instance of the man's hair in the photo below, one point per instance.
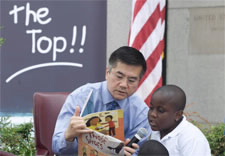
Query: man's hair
(177, 95)
(129, 56)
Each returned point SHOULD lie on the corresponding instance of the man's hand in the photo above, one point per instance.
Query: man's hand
(128, 151)
(76, 127)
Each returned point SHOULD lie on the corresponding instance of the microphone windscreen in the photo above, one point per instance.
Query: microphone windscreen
(142, 132)
(153, 148)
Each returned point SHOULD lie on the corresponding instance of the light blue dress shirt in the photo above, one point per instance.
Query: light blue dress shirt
(135, 114)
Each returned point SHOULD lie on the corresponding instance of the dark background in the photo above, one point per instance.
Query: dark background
(16, 53)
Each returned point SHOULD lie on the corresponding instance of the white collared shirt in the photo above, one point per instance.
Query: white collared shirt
(185, 140)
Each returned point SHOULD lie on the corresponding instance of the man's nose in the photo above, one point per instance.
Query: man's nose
(124, 82)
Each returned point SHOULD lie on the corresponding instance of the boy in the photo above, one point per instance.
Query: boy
(170, 126)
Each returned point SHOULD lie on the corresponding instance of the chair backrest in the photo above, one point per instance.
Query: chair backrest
(3, 153)
(47, 106)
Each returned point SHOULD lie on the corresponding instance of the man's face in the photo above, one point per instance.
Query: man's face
(162, 114)
(123, 80)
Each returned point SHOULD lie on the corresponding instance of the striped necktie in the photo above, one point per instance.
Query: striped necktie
(112, 105)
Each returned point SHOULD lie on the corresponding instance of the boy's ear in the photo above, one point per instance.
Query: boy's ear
(179, 115)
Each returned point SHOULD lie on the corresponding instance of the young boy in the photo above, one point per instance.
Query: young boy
(170, 127)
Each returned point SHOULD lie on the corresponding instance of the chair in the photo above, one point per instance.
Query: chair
(3, 153)
(47, 106)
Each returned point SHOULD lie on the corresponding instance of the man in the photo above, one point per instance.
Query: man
(170, 126)
(126, 68)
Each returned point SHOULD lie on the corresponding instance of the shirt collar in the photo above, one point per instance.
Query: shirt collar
(177, 130)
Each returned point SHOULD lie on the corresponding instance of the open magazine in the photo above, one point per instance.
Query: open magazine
(108, 132)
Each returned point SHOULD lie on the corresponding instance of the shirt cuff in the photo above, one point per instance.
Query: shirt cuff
(68, 144)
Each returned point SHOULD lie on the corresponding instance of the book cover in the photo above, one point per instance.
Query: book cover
(88, 105)
(108, 136)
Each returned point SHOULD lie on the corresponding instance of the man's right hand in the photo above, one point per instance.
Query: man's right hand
(76, 127)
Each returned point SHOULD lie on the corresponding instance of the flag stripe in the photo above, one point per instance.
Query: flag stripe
(163, 14)
(141, 18)
(146, 30)
(138, 6)
(153, 59)
(148, 99)
(147, 35)
(147, 86)
(153, 40)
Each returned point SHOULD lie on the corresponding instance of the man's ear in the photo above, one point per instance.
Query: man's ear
(179, 115)
(107, 72)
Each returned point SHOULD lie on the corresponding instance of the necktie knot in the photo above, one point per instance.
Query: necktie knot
(112, 105)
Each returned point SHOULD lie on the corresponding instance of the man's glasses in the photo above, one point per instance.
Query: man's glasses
(131, 81)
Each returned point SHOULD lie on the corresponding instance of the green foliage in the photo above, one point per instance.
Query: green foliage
(215, 134)
(2, 40)
(216, 137)
(16, 139)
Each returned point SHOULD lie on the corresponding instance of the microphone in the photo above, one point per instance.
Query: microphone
(153, 148)
(142, 132)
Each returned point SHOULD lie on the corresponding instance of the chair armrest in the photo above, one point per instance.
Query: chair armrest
(42, 152)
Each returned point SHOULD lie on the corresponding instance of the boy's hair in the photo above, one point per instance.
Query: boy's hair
(153, 148)
(129, 56)
(178, 95)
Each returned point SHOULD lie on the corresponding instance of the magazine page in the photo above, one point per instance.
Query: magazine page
(108, 137)
(100, 144)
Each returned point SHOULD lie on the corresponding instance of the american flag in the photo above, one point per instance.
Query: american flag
(147, 35)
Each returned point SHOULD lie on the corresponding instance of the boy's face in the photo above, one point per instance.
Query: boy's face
(162, 115)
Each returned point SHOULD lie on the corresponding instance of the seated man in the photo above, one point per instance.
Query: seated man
(126, 67)
(170, 126)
